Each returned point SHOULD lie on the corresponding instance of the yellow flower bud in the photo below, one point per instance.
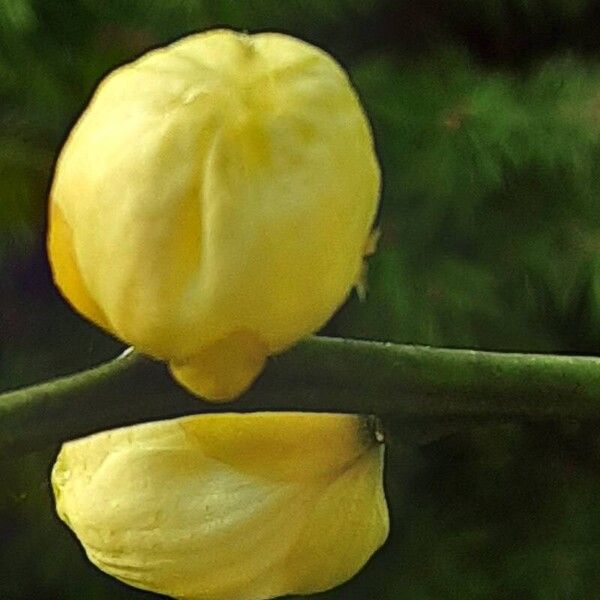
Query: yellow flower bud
(213, 203)
(228, 506)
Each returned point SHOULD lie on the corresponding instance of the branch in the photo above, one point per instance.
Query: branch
(403, 383)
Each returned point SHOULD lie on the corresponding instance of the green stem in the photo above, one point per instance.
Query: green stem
(401, 383)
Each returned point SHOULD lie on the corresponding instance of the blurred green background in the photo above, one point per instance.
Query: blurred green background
(487, 121)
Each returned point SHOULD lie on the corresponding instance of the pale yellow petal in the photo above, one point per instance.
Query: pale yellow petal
(331, 549)
(68, 277)
(227, 507)
(224, 184)
(224, 369)
(289, 446)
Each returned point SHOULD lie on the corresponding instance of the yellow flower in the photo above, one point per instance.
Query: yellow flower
(213, 203)
(227, 507)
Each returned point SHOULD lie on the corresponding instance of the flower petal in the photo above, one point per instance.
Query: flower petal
(223, 186)
(227, 507)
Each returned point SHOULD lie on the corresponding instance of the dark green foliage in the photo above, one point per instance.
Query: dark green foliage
(487, 122)
(489, 209)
